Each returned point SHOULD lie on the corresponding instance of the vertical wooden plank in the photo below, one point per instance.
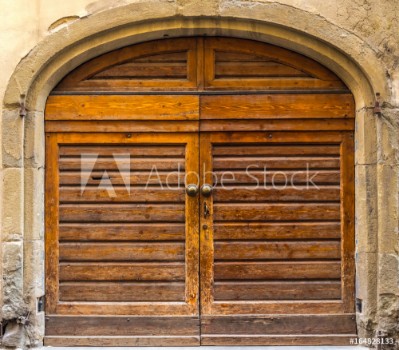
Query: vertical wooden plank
(192, 225)
(206, 227)
(347, 222)
(209, 63)
(200, 64)
(51, 224)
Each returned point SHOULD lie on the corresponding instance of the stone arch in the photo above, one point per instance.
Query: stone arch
(65, 49)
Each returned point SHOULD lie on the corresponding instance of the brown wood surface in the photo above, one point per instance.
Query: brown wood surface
(122, 107)
(276, 230)
(122, 341)
(277, 340)
(276, 106)
(276, 325)
(122, 291)
(319, 124)
(123, 271)
(121, 232)
(291, 290)
(154, 65)
(244, 64)
(277, 270)
(122, 326)
(277, 250)
(141, 126)
(271, 257)
(166, 251)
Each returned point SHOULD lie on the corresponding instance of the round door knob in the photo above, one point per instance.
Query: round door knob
(192, 190)
(206, 190)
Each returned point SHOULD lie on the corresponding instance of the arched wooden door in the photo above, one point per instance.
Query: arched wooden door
(200, 191)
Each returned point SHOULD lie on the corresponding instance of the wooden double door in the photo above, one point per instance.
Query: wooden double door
(209, 217)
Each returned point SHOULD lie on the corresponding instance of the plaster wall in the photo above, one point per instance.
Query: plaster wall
(42, 40)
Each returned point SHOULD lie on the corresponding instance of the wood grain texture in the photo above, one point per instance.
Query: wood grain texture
(316, 124)
(245, 64)
(155, 65)
(122, 291)
(154, 340)
(122, 107)
(278, 325)
(123, 271)
(277, 106)
(277, 270)
(126, 326)
(271, 257)
(272, 290)
(276, 250)
(115, 232)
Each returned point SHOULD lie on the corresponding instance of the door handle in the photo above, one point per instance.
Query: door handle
(206, 190)
(192, 190)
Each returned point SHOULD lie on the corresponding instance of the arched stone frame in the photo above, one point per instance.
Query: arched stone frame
(23, 138)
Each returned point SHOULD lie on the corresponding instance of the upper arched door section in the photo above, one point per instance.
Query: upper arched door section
(200, 64)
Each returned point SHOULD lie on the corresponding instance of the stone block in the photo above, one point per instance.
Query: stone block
(198, 8)
(366, 208)
(34, 204)
(388, 137)
(12, 204)
(12, 138)
(33, 272)
(13, 283)
(365, 137)
(388, 208)
(34, 140)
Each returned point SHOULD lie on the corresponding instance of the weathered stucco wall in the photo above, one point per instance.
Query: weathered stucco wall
(42, 40)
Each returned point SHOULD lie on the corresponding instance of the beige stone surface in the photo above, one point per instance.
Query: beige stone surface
(42, 40)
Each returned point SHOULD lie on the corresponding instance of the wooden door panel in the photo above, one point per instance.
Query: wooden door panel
(276, 247)
(121, 248)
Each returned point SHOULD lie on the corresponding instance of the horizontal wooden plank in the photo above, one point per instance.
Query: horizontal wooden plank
(267, 163)
(296, 84)
(277, 250)
(121, 212)
(277, 270)
(121, 126)
(277, 211)
(319, 124)
(277, 340)
(290, 150)
(277, 177)
(121, 232)
(122, 271)
(274, 106)
(313, 193)
(87, 162)
(118, 325)
(276, 230)
(122, 291)
(164, 57)
(123, 341)
(166, 251)
(122, 107)
(117, 194)
(143, 178)
(281, 290)
(116, 150)
(279, 324)
(145, 70)
(257, 69)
